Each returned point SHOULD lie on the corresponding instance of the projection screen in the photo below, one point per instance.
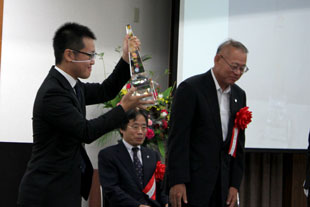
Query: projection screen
(277, 36)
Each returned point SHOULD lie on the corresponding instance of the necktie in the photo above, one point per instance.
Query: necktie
(138, 166)
(78, 92)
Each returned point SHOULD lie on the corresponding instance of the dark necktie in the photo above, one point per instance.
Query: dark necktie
(138, 166)
(78, 92)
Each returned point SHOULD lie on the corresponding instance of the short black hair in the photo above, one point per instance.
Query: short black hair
(132, 115)
(70, 36)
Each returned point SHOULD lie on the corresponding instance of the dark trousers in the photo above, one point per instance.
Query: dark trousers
(216, 198)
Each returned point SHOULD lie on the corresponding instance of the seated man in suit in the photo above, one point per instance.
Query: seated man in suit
(127, 169)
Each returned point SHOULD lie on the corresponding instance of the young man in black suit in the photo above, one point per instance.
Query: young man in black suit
(127, 168)
(200, 172)
(59, 170)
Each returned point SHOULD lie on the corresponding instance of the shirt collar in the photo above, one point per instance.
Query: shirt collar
(69, 78)
(217, 85)
(129, 146)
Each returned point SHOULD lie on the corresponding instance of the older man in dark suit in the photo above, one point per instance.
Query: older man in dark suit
(200, 170)
(127, 170)
(59, 170)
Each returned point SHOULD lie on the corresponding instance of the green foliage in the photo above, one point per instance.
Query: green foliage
(100, 55)
(113, 103)
(159, 114)
(146, 57)
(103, 140)
(118, 49)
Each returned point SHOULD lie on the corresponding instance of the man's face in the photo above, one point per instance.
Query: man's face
(83, 69)
(135, 132)
(224, 61)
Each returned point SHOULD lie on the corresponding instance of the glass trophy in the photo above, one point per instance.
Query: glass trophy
(139, 78)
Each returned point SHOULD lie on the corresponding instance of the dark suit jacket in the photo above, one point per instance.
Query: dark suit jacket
(197, 154)
(59, 170)
(118, 177)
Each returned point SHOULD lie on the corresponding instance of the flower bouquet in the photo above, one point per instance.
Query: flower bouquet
(158, 118)
(159, 114)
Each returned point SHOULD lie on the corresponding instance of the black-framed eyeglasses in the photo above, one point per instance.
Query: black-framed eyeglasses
(91, 56)
(235, 67)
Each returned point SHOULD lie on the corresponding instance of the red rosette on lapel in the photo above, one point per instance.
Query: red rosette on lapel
(160, 171)
(243, 118)
(158, 175)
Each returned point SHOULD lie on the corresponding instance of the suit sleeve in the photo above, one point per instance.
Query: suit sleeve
(183, 110)
(109, 180)
(237, 163)
(58, 108)
(59, 111)
(109, 88)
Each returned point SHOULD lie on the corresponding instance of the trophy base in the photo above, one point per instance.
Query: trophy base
(144, 86)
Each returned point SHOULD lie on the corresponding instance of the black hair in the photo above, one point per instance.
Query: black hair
(132, 115)
(70, 36)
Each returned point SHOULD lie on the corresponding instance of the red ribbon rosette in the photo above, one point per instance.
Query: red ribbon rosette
(160, 171)
(243, 118)
(150, 188)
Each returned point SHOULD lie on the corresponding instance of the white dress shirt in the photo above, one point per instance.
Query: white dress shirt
(129, 149)
(69, 78)
(224, 101)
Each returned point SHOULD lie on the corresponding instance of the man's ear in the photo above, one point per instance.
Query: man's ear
(68, 55)
(121, 131)
(217, 58)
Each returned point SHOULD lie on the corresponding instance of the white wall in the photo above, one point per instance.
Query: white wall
(27, 55)
(203, 26)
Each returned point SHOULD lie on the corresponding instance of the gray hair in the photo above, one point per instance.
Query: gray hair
(233, 43)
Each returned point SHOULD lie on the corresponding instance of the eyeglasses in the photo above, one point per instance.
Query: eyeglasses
(90, 55)
(136, 127)
(235, 67)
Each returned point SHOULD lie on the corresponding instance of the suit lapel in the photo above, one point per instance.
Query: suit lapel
(234, 99)
(125, 158)
(82, 102)
(66, 85)
(211, 96)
